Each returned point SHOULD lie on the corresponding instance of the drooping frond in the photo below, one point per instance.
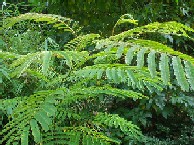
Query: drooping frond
(25, 119)
(135, 52)
(45, 106)
(72, 58)
(161, 48)
(137, 45)
(95, 91)
(121, 73)
(55, 20)
(113, 120)
(172, 27)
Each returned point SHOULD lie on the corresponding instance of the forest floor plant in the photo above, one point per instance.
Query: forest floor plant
(61, 87)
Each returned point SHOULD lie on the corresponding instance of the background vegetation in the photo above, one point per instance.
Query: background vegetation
(96, 76)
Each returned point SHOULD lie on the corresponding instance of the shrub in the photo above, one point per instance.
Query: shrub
(87, 90)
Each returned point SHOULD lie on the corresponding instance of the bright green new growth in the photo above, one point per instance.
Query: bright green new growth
(55, 111)
(55, 20)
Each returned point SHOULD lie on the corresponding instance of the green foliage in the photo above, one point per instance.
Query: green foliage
(125, 19)
(82, 42)
(100, 16)
(172, 28)
(131, 49)
(84, 90)
(164, 68)
(44, 110)
(114, 120)
(56, 21)
(179, 72)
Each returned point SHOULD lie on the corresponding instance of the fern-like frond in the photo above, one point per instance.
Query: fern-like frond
(135, 52)
(55, 20)
(44, 58)
(122, 67)
(161, 48)
(106, 90)
(172, 28)
(44, 105)
(137, 45)
(121, 73)
(24, 118)
(113, 120)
